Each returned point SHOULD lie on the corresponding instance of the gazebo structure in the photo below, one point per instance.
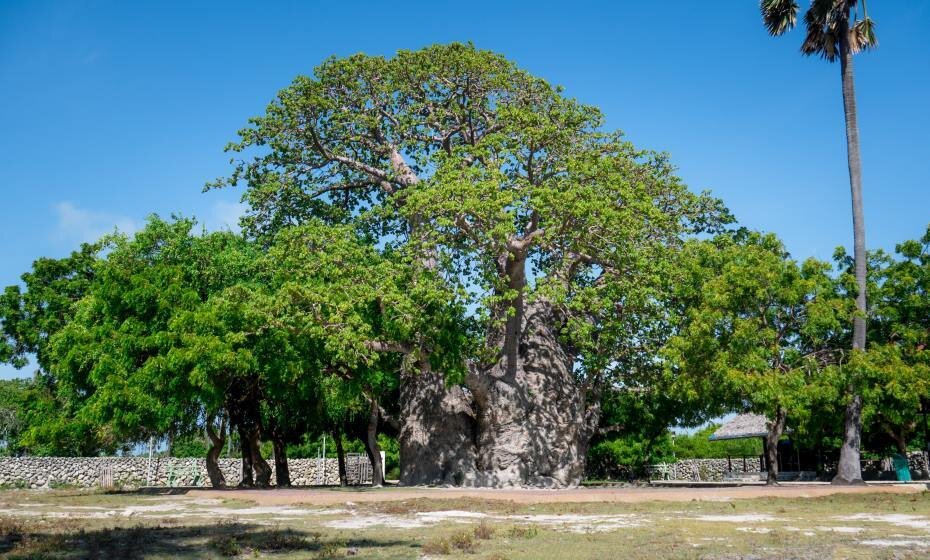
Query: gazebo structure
(743, 426)
(792, 465)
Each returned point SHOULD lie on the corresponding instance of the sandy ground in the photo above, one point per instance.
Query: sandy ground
(336, 496)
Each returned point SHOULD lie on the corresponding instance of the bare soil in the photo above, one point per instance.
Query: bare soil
(630, 495)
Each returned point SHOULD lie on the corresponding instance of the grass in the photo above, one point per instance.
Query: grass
(71, 524)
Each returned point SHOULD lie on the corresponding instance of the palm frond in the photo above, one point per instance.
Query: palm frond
(862, 35)
(779, 15)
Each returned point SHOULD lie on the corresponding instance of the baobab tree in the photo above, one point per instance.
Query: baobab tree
(836, 32)
(511, 192)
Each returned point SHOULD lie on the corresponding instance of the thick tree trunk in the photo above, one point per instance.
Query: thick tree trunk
(849, 470)
(259, 465)
(522, 422)
(372, 448)
(775, 430)
(282, 474)
(250, 428)
(437, 433)
(341, 458)
(217, 478)
(534, 425)
(248, 479)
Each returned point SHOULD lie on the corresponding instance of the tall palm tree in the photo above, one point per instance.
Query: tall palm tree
(835, 31)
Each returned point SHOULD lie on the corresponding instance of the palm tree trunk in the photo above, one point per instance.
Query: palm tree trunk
(849, 470)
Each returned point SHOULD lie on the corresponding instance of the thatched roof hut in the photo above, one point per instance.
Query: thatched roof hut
(741, 426)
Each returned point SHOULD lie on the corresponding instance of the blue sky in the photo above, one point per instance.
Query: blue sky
(113, 110)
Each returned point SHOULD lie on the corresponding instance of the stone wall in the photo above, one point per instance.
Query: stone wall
(39, 472)
(721, 469)
(709, 469)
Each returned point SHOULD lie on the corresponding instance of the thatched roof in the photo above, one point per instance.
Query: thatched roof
(741, 426)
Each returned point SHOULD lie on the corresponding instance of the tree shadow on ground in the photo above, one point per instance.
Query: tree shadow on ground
(70, 542)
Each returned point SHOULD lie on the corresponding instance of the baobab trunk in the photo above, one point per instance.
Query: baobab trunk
(522, 421)
(437, 432)
(533, 423)
(217, 478)
(849, 470)
(775, 430)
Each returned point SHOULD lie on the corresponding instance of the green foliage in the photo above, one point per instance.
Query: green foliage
(756, 328)
(454, 159)
(698, 446)
(192, 445)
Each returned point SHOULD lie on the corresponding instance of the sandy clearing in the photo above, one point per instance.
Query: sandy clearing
(899, 519)
(841, 529)
(335, 496)
(737, 518)
(902, 542)
(571, 522)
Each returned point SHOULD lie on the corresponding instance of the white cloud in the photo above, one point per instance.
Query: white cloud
(225, 215)
(79, 225)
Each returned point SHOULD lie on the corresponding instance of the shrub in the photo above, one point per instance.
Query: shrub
(437, 546)
(484, 531)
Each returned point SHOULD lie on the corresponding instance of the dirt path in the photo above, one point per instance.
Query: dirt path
(335, 496)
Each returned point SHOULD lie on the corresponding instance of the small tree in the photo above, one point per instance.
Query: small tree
(757, 329)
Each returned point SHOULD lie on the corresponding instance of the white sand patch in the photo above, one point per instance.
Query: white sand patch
(899, 519)
(438, 516)
(903, 542)
(369, 521)
(736, 518)
(840, 529)
(269, 510)
(572, 523)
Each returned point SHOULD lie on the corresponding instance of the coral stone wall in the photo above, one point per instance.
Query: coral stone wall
(38, 472)
(704, 470)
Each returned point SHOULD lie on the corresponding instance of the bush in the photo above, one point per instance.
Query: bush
(697, 446)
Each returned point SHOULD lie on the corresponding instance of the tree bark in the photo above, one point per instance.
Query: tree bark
(849, 470)
(534, 424)
(259, 465)
(372, 448)
(775, 430)
(437, 433)
(250, 429)
(248, 480)
(340, 457)
(217, 478)
(522, 421)
(282, 473)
